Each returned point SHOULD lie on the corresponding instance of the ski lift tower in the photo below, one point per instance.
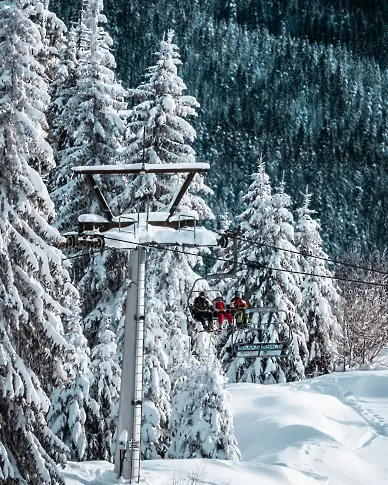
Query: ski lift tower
(136, 231)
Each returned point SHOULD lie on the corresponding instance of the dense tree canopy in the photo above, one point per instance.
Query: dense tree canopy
(302, 83)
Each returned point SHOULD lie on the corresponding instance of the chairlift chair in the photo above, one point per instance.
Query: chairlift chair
(259, 349)
(222, 242)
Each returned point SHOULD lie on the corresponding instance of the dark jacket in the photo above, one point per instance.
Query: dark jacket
(201, 303)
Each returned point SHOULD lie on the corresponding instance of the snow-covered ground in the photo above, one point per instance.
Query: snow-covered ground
(332, 430)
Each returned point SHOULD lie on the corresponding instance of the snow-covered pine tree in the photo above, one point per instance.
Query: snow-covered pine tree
(103, 290)
(106, 375)
(172, 276)
(160, 133)
(166, 343)
(187, 364)
(52, 31)
(34, 285)
(269, 281)
(66, 416)
(156, 409)
(62, 89)
(253, 224)
(320, 299)
(201, 417)
(89, 113)
(162, 82)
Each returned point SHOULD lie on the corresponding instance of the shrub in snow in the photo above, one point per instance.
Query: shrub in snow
(202, 418)
(364, 309)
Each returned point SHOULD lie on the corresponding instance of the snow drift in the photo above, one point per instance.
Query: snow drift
(328, 430)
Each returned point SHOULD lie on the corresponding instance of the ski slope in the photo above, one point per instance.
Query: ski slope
(331, 430)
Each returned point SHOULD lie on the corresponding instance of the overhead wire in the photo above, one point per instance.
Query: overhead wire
(84, 254)
(308, 255)
(241, 263)
(262, 244)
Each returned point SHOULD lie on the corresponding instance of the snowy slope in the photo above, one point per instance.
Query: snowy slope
(332, 427)
(331, 430)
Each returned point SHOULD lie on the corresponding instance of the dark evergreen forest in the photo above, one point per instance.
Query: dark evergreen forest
(302, 82)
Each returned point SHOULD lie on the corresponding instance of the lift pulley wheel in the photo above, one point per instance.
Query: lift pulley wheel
(69, 242)
(73, 241)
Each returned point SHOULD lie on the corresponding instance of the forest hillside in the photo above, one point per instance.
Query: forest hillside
(304, 83)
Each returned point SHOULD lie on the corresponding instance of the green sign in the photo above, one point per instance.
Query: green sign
(271, 346)
(268, 349)
(251, 347)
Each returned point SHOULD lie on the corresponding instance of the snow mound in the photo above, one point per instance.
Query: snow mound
(188, 472)
(333, 427)
(331, 430)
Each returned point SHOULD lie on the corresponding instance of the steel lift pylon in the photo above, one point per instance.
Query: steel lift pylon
(93, 232)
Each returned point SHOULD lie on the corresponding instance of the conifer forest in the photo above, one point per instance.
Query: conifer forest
(287, 101)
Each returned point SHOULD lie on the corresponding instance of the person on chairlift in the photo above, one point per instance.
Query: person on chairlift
(221, 311)
(202, 311)
(238, 304)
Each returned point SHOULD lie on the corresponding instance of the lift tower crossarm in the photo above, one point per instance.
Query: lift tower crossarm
(139, 168)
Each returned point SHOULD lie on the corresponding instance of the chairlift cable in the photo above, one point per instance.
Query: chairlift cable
(262, 349)
(85, 254)
(241, 263)
(308, 255)
(249, 263)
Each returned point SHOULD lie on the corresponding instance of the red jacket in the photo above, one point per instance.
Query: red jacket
(219, 304)
(238, 302)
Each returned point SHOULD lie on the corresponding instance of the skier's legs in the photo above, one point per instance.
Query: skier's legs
(209, 318)
(246, 318)
(199, 317)
(239, 319)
